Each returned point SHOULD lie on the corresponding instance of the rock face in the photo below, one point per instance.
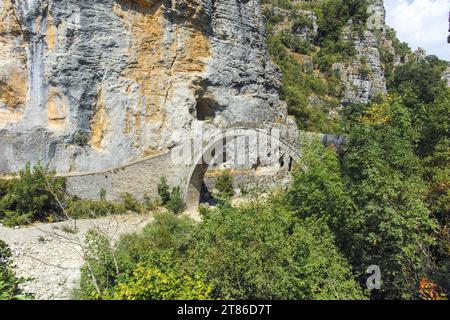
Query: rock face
(307, 32)
(13, 70)
(364, 78)
(446, 76)
(89, 85)
(364, 75)
(420, 54)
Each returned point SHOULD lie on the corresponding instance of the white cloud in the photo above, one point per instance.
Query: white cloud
(421, 23)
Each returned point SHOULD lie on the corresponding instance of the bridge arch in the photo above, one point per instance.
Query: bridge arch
(218, 143)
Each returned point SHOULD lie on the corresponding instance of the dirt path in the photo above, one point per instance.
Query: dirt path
(50, 254)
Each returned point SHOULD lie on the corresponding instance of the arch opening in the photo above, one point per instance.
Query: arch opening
(196, 189)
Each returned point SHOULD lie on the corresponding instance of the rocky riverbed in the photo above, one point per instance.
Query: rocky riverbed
(50, 257)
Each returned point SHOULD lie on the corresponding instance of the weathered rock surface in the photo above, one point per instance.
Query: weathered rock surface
(306, 32)
(446, 76)
(364, 78)
(420, 54)
(90, 85)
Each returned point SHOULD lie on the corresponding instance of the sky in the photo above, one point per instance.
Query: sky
(421, 23)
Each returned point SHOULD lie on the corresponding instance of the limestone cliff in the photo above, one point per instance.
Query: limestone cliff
(364, 77)
(447, 76)
(86, 85)
(364, 58)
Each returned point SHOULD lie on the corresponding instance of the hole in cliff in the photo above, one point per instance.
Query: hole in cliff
(281, 162)
(291, 162)
(205, 109)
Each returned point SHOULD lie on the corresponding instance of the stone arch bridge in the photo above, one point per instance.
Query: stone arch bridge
(186, 165)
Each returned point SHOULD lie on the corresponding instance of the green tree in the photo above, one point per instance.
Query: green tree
(423, 77)
(393, 224)
(319, 190)
(34, 195)
(424, 93)
(258, 251)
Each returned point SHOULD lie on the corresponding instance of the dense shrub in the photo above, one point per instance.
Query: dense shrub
(38, 195)
(5, 187)
(9, 283)
(258, 251)
(86, 209)
(80, 138)
(150, 204)
(163, 190)
(141, 266)
(295, 43)
(176, 201)
(152, 284)
(301, 22)
(34, 196)
(130, 203)
(224, 184)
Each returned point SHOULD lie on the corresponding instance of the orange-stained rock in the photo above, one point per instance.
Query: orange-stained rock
(13, 68)
(99, 123)
(56, 108)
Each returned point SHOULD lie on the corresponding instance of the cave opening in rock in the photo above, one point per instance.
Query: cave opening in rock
(205, 109)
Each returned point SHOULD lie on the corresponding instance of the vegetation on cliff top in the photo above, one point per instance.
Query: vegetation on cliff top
(304, 77)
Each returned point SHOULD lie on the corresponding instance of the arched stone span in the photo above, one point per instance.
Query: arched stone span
(141, 176)
(196, 174)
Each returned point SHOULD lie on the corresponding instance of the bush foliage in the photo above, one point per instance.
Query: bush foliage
(9, 283)
(224, 185)
(256, 252)
(33, 196)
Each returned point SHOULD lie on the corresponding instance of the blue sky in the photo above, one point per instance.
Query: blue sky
(421, 23)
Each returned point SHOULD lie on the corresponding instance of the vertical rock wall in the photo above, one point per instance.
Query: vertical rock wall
(87, 85)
